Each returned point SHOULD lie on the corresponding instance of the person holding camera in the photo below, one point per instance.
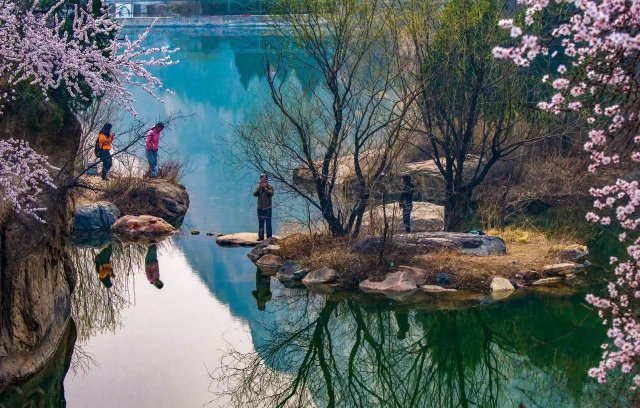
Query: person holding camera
(264, 192)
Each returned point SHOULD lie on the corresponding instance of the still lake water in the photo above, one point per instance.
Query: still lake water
(219, 333)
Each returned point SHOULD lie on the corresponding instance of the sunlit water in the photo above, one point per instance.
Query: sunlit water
(203, 340)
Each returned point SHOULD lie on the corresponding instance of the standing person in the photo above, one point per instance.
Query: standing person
(103, 148)
(152, 267)
(406, 201)
(264, 192)
(152, 144)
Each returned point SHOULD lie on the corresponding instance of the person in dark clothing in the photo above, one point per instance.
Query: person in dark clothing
(103, 148)
(264, 192)
(152, 267)
(103, 266)
(406, 201)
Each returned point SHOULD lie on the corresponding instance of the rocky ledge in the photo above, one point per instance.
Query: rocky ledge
(158, 205)
(412, 282)
(425, 242)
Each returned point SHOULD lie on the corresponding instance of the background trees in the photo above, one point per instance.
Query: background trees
(474, 111)
(351, 122)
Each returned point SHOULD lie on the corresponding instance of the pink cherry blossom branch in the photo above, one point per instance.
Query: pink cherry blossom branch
(601, 41)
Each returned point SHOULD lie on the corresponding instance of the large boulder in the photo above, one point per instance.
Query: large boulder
(562, 268)
(287, 272)
(157, 197)
(143, 229)
(238, 239)
(425, 242)
(418, 275)
(320, 276)
(96, 216)
(268, 246)
(499, 284)
(269, 263)
(396, 283)
(424, 217)
(573, 253)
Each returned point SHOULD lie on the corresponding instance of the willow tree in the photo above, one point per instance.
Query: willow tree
(353, 119)
(473, 110)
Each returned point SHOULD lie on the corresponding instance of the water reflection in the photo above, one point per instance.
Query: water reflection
(532, 352)
(45, 389)
(262, 293)
(152, 267)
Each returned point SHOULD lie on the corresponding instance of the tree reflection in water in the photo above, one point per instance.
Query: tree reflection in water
(530, 352)
(96, 307)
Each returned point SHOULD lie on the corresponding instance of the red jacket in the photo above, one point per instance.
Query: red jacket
(153, 140)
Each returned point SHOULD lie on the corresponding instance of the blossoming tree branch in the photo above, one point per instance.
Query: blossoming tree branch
(598, 76)
(70, 51)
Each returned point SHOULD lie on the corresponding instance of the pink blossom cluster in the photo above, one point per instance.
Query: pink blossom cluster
(59, 50)
(39, 48)
(601, 42)
(23, 173)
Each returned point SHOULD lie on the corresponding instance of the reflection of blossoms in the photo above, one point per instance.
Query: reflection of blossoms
(601, 40)
(23, 172)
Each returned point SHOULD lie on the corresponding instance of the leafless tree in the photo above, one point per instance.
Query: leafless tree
(350, 130)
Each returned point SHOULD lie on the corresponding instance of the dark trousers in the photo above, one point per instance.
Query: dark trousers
(406, 217)
(264, 217)
(107, 162)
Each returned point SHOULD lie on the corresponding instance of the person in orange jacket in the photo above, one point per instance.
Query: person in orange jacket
(103, 148)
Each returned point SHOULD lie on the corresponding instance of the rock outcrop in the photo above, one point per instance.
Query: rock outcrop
(268, 246)
(100, 215)
(425, 242)
(320, 276)
(36, 275)
(395, 283)
(157, 197)
(424, 217)
(269, 263)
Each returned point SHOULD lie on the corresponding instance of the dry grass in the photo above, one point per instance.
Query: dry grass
(527, 252)
(320, 250)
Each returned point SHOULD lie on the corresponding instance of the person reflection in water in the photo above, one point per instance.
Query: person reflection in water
(103, 266)
(262, 294)
(402, 319)
(152, 268)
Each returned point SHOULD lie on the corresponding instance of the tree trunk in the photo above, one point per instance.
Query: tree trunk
(456, 208)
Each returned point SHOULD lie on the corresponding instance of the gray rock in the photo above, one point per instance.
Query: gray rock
(300, 274)
(269, 263)
(262, 248)
(96, 216)
(323, 275)
(395, 283)
(435, 289)
(574, 253)
(548, 281)
(561, 268)
(287, 271)
(238, 239)
(425, 242)
(418, 275)
(499, 284)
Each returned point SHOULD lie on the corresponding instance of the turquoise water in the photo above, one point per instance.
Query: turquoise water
(204, 340)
